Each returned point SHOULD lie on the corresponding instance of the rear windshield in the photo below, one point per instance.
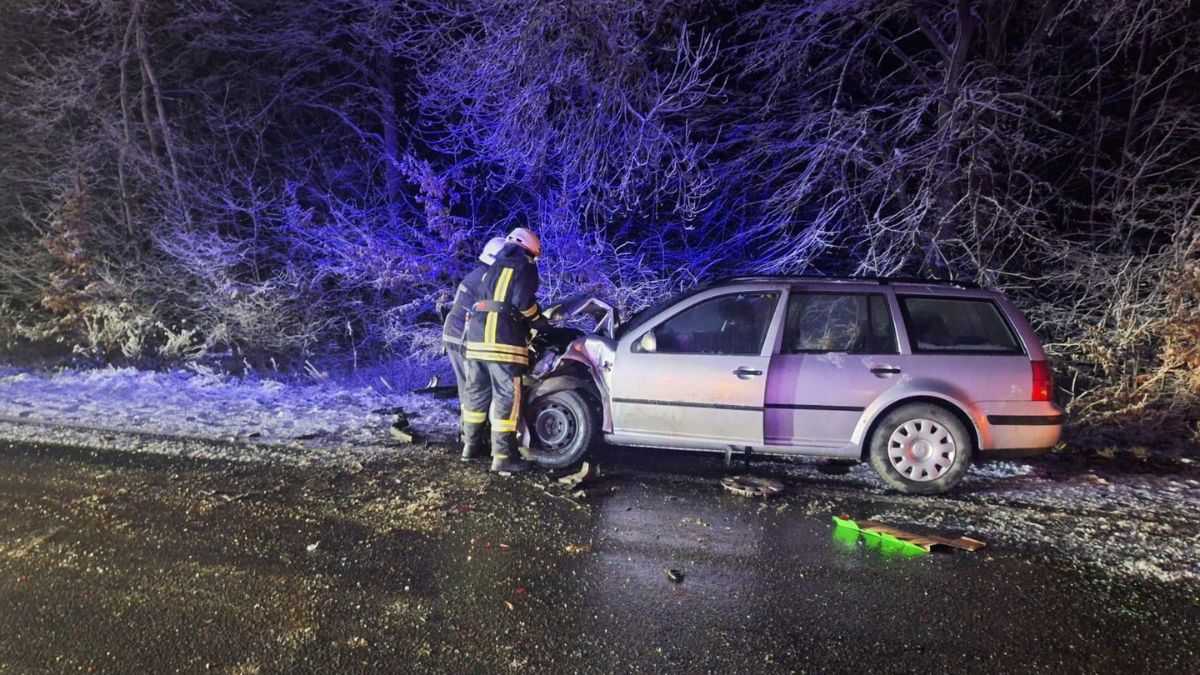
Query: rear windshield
(957, 325)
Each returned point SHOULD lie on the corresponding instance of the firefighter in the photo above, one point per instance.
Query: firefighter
(456, 318)
(497, 350)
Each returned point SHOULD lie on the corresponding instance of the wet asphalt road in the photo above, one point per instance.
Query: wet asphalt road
(121, 563)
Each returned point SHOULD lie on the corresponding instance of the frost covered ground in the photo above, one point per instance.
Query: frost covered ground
(176, 412)
(1118, 516)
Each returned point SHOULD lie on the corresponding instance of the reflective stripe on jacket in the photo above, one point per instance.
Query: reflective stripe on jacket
(505, 308)
(456, 318)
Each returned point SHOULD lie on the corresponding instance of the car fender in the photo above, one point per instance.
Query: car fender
(595, 353)
(916, 390)
(553, 382)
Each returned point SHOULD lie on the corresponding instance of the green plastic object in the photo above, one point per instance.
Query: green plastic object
(843, 522)
(887, 544)
(846, 537)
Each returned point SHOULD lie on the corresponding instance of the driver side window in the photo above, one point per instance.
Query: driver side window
(727, 324)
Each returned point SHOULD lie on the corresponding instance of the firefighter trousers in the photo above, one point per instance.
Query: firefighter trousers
(492, 393)
(458, 364)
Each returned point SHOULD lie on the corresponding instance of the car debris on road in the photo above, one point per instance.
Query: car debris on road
(438, 390)
(894, 535)
(585, 474)
(401, 430)
(752, 486)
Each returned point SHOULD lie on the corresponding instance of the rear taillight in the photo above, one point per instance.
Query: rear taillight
(1043, 381)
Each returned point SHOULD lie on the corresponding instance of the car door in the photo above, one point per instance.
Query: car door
(838, 353)
(697, 376)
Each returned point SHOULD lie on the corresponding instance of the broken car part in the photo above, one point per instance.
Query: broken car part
(438, 390)
(752, 486)
(908, 539)
(580, 477)
(399, 433)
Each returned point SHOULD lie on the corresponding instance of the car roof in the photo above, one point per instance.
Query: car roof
(911, 284)
(874, 280)
(906, 284)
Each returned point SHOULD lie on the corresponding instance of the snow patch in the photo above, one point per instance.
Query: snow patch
(205, 405)
(999, 470)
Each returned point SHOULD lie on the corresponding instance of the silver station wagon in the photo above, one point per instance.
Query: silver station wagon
(919, 378)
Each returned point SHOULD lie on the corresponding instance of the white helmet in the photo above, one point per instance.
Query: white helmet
(526, 239)
(490, 250)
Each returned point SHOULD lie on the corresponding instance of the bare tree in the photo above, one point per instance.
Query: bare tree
(1048, 149)
(268, 179)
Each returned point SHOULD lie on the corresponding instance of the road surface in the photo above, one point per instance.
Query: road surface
(113, 562)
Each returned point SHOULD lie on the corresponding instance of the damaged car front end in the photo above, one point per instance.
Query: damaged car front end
(566, 391)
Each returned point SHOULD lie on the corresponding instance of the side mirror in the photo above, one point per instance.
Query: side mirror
(648, 343)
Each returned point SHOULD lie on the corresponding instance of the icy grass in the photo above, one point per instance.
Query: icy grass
(318, 420)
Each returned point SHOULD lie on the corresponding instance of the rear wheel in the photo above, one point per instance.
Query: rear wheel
(561, 428)
(921, 449)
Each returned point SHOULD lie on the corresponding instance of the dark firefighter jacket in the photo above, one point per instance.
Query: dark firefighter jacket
(456, 320)
(505, 309)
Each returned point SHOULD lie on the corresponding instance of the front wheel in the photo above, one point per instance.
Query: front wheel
(921, 449)
(561, 428)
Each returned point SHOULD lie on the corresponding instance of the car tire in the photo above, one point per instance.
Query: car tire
(562, 428)
(921, 449)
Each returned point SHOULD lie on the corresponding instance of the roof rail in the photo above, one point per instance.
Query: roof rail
(882, 280)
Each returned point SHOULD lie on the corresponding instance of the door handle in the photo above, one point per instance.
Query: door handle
(881, 371)
(745, 372)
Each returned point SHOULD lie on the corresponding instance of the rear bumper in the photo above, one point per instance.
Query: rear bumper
(1019, 427)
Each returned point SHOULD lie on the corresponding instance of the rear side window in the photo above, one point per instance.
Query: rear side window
(838, 322)
(957, 325)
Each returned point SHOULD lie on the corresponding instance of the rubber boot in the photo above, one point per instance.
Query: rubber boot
(473, 452)
(509, 465)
